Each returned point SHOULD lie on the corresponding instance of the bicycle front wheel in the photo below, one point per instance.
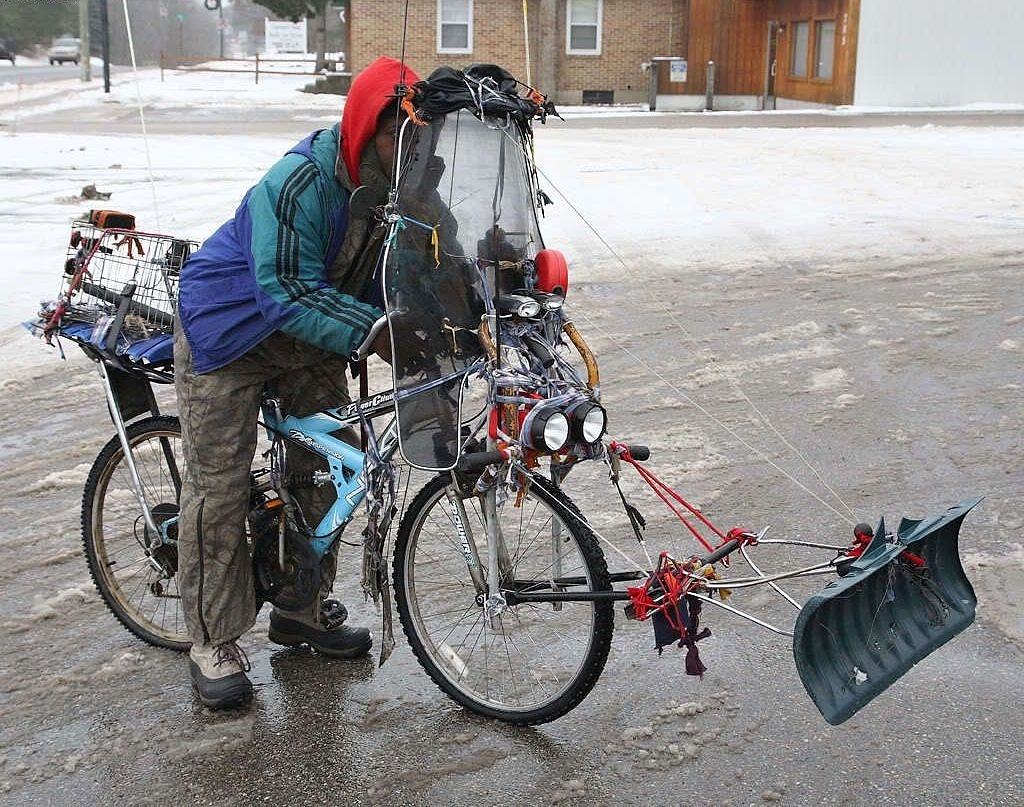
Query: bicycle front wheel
(532, 662)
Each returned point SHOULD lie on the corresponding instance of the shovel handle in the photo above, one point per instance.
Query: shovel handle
(725, 549)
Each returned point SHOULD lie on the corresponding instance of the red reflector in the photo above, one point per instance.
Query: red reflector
(552, 272)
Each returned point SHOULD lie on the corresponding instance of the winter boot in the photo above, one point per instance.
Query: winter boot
(219, 675)
(326, 632)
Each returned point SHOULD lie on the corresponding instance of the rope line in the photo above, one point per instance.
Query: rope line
(142, 114)
(651, 369)
(732, 382)
(526, 40)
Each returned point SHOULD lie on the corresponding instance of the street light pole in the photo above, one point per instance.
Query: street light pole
(83, 34)
(105, 26)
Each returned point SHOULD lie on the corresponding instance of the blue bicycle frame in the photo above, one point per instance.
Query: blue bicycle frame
(346, 464)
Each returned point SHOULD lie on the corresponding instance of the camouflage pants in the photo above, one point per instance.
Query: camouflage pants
(218, 412)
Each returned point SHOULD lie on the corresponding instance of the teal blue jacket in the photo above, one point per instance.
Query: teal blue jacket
(266, 269)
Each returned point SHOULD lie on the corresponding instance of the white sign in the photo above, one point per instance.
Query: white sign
(677, 69)
(285, 37)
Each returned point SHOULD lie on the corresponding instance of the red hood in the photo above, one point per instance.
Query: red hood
(372, 90)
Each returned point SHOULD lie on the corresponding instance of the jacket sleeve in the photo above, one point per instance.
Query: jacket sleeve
(289, 239)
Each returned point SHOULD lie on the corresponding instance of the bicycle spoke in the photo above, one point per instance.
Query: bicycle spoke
(527, 655)
(119, 534)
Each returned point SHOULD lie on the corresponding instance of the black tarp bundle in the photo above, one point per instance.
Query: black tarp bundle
(486, 89)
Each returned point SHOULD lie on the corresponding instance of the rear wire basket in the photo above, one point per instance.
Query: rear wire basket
(127, 276)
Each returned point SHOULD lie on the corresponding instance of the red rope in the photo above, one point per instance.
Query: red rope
(665, 491)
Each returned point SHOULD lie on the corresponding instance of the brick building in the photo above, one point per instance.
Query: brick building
(580, 50)
(814, 52)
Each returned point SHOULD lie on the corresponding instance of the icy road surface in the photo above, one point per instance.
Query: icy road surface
(862, 285)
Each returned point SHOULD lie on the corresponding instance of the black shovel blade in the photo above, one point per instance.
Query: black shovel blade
(869, 627)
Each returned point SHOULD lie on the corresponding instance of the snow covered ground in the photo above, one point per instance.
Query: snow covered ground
(676, 199)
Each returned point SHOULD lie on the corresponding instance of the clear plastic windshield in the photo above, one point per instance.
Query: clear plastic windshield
(467, 221)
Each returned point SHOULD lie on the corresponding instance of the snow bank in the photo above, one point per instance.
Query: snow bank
(196, 89)
(677, 203)
(680, 202)
(199, 180)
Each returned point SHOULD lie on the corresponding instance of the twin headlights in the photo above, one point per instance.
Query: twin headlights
(528, 304)
(550, 428)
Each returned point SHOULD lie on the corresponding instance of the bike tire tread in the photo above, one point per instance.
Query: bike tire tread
(603, 621)
(102, 461)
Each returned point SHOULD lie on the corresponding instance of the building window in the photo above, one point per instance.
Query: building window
(824, 48)
(583, 26)
(454, 26)
(798, 54)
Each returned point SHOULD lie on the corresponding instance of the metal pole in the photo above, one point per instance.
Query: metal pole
(105, 27)
(652, 85)
(83, 34)
(220, 23)
(257, 68)
(346, 11)
(709, 95)
(768, 101)
(526, 39)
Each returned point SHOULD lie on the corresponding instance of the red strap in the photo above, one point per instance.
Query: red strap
(665, 493)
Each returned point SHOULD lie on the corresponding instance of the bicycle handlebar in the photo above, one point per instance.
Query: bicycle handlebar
(480, 460)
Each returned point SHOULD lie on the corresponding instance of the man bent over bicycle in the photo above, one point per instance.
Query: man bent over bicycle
(281, 294)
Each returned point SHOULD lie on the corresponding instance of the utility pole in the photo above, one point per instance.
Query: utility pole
(83, 34)
(346, 19)
(105, 27)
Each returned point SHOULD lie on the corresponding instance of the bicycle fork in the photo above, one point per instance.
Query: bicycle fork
(488, 589)
(129, 458)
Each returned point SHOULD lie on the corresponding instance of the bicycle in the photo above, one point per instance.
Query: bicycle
(501, 583)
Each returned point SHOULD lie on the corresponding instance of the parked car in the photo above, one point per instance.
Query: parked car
(65, 49)
(6, 51)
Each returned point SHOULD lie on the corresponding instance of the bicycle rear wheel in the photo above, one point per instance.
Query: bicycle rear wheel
(533, 662)
(138, 583)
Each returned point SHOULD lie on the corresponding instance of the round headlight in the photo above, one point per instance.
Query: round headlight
(594, 424)
(528, 309)
(546, 428)
(589, 421)
(556, 431)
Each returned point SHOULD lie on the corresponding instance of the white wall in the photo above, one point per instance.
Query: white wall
(940, 52)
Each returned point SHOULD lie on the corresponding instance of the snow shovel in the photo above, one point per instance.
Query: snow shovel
(903, 597)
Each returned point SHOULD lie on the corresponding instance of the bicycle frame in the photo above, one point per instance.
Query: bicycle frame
(346, 464)
(347, 475)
